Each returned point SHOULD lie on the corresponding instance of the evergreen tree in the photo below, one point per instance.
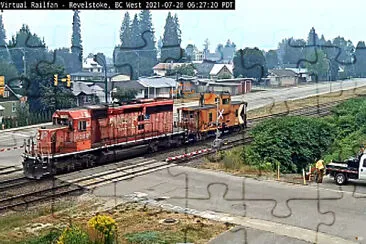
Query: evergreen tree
(4, 55)
(76, 43)
(2, 33)
(171, 51)
(331, 53)
(313, 38)
(320, 69)
(136, 37)
(272, 59)
(360, 59)
(177, 26)
(148, 56)
(125, 35)
(29, 45)
(126, 58)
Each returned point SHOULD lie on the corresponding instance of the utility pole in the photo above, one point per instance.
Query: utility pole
(217, 142)
(24, 62)
(102, 62)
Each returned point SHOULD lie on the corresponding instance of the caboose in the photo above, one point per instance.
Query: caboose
(96, 134)
(215, 111)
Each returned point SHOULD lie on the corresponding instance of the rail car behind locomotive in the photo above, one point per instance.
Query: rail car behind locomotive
(97, 134)
(214, 111)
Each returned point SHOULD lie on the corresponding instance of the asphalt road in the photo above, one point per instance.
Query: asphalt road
(268, 97)
(271, 210)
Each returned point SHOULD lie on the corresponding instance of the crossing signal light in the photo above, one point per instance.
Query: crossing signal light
(68, 80)
(55, 80)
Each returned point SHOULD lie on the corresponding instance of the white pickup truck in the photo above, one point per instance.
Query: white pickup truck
(351, 169)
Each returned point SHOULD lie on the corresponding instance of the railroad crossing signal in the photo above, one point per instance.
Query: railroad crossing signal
(55, 80)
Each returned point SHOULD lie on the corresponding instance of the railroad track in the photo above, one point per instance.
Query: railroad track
(70, 185)
(120, 171)
(13, 182)
(6, 170)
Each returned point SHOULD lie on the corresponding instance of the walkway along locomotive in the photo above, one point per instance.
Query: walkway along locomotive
(96, 134)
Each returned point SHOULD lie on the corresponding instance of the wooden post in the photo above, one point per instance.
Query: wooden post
(309, 172)
(303, 176)
(278, 171)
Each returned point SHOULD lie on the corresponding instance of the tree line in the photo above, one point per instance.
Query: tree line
(136, 55)
(325, 59)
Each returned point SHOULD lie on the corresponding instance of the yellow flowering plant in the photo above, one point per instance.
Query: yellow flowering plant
(105, 225)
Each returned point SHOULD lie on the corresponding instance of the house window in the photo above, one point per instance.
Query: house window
(6, 94)
(140, 127)
(14, 107)
(236, 113)
(210, 117)
(82, 125)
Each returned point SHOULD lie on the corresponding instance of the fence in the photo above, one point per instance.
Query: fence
(31, 119)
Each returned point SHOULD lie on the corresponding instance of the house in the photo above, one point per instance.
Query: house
(161, 69)
(302, 73)
(9, 103)
(87, 94)
(282, 77)
(89, 65)
(95, 78)
(235, 86)
(157, 86)
(130, 85)
(98, 76)
(221, 70)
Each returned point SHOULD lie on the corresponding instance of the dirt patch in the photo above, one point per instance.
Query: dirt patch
(290, 105)
(134, 221)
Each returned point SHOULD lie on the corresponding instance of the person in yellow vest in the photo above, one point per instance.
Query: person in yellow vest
(320, 171)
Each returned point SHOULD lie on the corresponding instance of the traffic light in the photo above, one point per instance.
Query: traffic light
(55, 80)
(68, 80)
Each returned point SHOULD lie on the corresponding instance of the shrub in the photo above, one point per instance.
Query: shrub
(73, 235)
(105, 226)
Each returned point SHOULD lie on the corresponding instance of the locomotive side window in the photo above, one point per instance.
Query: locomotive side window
(210, 117)
(226, 101)
(141, 118)
(82, 125)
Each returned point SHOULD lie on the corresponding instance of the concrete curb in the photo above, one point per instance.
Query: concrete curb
(25, 127)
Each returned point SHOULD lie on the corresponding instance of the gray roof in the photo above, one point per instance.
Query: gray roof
(204, 68)
(94, 74)
(157, 82)
(132, 84)
(283, 73)
(81, 87)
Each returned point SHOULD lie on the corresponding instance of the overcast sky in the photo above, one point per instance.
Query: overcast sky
(259, 23)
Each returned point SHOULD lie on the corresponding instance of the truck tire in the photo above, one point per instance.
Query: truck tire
(340, 179)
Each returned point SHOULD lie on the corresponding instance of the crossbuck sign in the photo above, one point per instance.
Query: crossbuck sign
(220, 114)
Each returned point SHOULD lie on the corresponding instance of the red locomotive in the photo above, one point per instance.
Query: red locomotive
(97, 134)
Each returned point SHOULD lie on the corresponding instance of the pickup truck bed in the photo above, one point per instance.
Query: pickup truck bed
(342, 171)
